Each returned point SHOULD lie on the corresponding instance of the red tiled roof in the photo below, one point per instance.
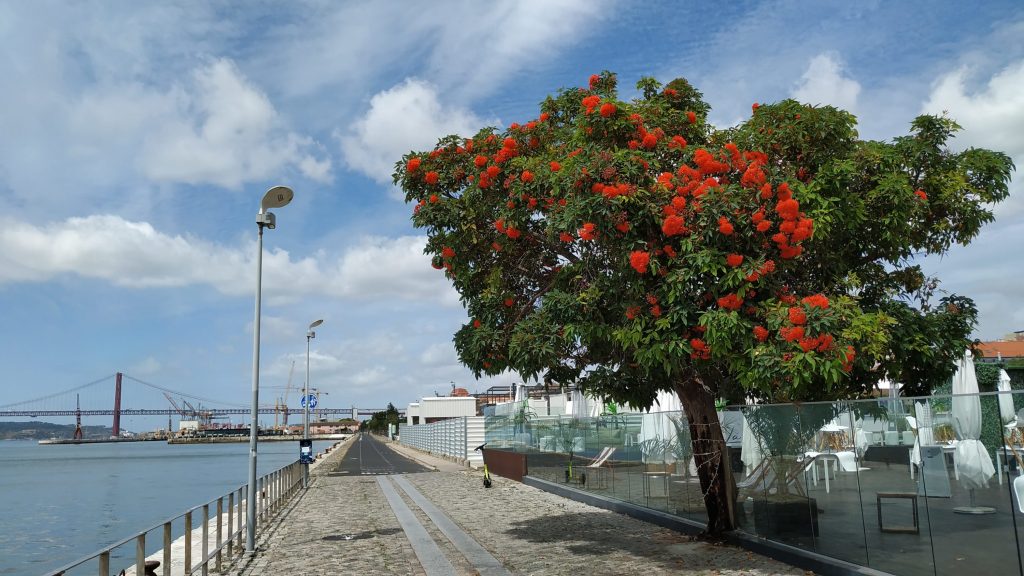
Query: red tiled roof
(1005, 348)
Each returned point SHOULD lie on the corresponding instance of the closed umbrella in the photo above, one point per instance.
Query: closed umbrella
(1006, 411)
(972, 458)
(750, 450)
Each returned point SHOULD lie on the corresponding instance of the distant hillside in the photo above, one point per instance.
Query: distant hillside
(44, 430)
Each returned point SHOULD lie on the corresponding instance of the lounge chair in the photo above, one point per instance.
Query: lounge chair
(598, 463)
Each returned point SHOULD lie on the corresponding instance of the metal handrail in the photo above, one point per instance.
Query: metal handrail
(273, 490)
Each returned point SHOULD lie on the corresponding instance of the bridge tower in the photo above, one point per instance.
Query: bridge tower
(116, 433)
(78, 418)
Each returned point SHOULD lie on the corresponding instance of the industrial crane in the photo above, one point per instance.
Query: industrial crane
(282, 403)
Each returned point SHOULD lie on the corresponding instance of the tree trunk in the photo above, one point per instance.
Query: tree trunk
(709, 451)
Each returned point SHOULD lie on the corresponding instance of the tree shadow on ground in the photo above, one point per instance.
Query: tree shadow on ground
(593, 537)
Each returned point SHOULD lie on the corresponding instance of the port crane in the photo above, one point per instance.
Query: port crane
(281, 404)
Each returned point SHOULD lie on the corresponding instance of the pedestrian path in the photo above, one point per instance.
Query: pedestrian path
(446, 522)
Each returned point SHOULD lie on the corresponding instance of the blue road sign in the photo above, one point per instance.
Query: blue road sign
(311, 399)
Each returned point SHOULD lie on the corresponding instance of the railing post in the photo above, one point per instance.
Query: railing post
(140, 553)
(105, 563)
(188, 542)
(231, 523)
(241, 509)
(167, 549)
(206, 538)
(260, 500)
(220, 531)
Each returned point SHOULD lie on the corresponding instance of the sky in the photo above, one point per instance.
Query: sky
(138, 139)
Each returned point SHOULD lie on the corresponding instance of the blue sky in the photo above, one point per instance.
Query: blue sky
(139, 138)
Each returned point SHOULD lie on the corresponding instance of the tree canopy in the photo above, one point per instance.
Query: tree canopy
(631, 247)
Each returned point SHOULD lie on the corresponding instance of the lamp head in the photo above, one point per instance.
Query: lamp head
(276, 197)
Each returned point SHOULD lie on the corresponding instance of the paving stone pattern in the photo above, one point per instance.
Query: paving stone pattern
(343, 525)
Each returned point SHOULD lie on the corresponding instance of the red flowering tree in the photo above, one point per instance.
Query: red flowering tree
(630, 247)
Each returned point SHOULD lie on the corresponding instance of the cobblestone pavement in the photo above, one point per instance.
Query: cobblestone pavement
(344, 525)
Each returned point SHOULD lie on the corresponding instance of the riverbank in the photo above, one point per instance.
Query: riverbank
(332, 454)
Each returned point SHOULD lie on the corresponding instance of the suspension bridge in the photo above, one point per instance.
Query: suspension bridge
(119, 394)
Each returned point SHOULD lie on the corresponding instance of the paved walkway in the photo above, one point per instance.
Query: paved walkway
(446, 522)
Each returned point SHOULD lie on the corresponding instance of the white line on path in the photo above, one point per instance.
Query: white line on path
(429, 554)
(477, 555)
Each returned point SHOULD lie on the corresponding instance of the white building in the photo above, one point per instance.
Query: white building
(432, 409)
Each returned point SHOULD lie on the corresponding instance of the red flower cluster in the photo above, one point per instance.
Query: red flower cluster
(588, 231)
(734, 260)
(480, 161)
(565, 237)
(431, 177)
(476, 323)
(555, 166)
(797, 315)
(730, 302)
(632, 311)
(791, 333)
(673, 226)
(447, 252)
(526, 176)
(850, 355)
(920, 194)
(821, 343)
(724, 226)
(414, 163)
(639, 260)
(691, 117)
(816, 301)
(591, 102)
(594, 78)
(608, 109)
(708, 164)
(612, 190)
(700, 349)
(761, 333)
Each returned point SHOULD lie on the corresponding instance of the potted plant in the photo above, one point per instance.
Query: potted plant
(784, 433)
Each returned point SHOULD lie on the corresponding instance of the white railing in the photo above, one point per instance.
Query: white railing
(220, 534)
(453, 438)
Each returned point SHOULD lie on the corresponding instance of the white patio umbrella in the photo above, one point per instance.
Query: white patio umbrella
(972, 458)
(1006, 411)
(656, 429)
(750, 450)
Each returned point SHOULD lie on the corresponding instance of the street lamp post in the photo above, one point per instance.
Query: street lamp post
(276, 197)
(305, 402)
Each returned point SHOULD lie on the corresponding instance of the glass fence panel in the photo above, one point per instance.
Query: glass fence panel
(896, 484)
(975, 525)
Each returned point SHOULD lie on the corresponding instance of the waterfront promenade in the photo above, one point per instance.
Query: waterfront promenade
(362, 515)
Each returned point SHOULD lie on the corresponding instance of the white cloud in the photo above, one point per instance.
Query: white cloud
(406, 117)
(146, 367)
(823, 83)
(219, 129)
(469, 47)
(992, 116)
(135, 255)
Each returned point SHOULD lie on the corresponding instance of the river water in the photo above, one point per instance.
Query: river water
(62, 502)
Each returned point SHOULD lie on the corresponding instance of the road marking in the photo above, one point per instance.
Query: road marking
(429, 554)
(477, 555)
